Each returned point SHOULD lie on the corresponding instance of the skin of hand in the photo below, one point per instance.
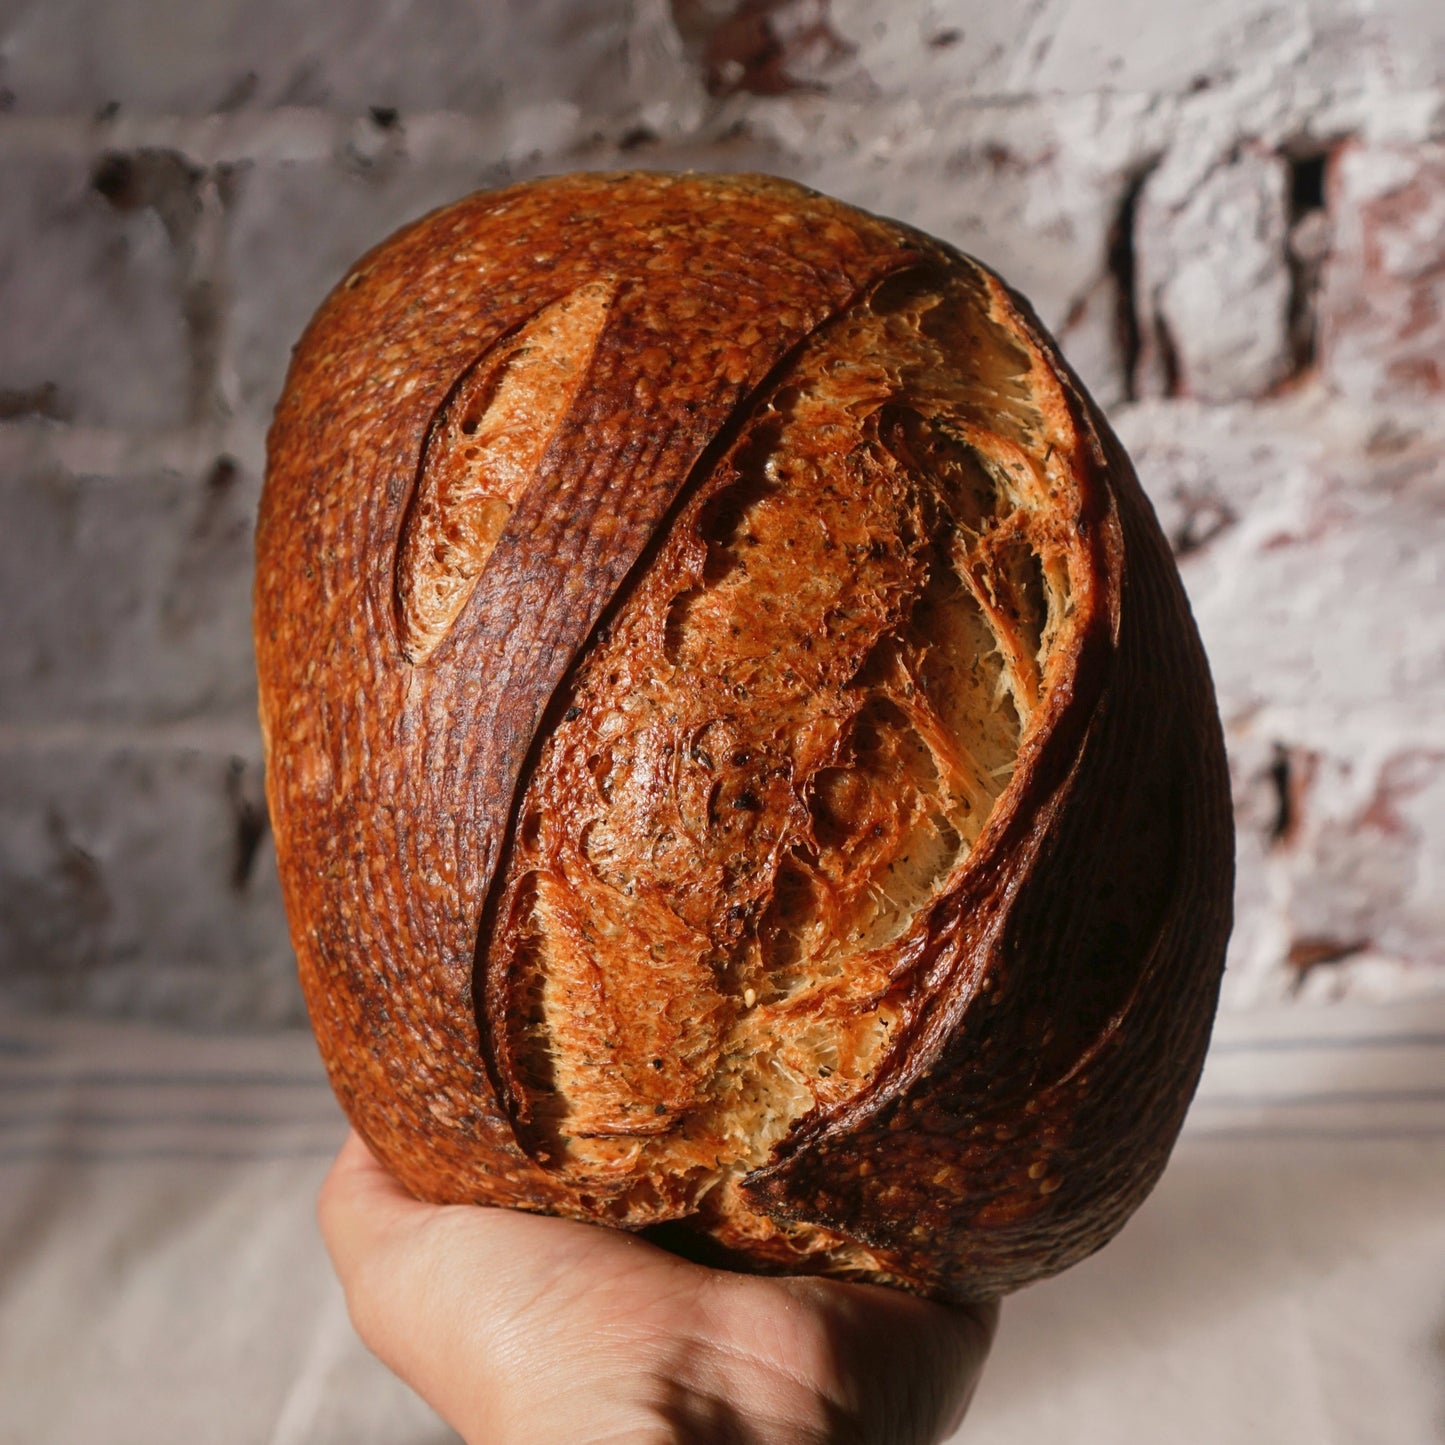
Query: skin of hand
(524, 1328)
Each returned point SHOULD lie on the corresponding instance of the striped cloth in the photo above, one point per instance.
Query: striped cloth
(161, 1278)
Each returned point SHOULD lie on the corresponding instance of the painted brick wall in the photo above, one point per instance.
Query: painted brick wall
(1232, 213)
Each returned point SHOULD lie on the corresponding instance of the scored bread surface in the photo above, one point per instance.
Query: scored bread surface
(741, 760)
(784, 743)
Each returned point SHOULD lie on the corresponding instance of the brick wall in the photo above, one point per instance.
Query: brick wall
(1232, 214)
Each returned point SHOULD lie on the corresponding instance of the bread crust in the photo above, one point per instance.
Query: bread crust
(612, 510)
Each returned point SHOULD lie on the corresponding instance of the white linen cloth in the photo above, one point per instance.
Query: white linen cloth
(161, 1278)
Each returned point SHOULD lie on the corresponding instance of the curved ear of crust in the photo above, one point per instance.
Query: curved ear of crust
(492, 430)
(1039, 1099)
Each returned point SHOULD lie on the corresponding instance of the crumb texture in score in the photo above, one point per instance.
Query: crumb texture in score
(485, 448)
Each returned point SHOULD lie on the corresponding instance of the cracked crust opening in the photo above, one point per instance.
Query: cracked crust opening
(777, 755)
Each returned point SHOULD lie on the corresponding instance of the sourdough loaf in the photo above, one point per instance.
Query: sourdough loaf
(741, 760)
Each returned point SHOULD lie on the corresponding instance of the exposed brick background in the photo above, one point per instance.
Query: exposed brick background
(1232, 214)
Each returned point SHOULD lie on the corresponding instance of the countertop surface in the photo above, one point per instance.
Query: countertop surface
(161, 1277)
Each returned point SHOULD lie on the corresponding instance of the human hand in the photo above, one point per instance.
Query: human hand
(523, 1328)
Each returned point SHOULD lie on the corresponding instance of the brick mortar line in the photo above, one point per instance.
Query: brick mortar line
(282, 134)
(231, 737)
(113, 452)
(308, 134)
(1358, 731)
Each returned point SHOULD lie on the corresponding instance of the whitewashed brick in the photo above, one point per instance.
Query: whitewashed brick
(1309, 536)
(1368, 861)
(1044, 47)
(1315, 533)
(1383, 308)
(1213, 281)
(125, 597)
(92, 325)
(1142, 46)
(167, 56)
(139, 880)
(1082, 47)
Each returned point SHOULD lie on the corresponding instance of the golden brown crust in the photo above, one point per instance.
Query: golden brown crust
(706, 635)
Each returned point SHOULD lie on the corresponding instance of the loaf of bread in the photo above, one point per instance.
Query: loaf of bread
(742, 764)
